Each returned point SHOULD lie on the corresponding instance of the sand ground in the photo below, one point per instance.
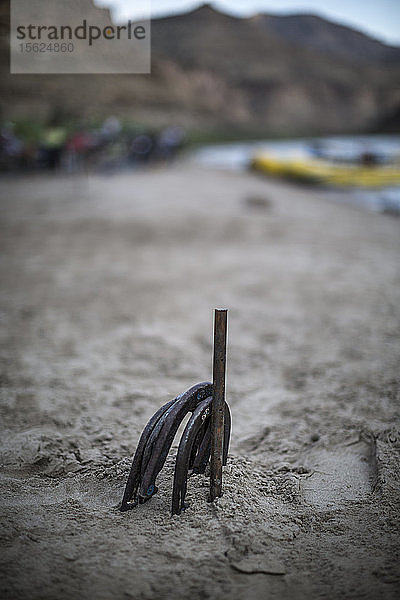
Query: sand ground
(108, 286)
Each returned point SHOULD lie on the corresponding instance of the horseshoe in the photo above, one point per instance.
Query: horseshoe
(162, 436)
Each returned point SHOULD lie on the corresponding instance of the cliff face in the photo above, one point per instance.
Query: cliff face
(297, 74)
(315, 33)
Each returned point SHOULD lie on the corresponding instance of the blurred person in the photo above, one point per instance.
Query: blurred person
(110, 129)
(368, 158)
(142, 149)
(10, 147)
(170, 142)
(52, 146)
(28, 156)
(77, 148)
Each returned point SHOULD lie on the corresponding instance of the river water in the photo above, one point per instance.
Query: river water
(237, 156)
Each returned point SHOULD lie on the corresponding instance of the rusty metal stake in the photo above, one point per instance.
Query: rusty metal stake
(202, 437)
(218, 403)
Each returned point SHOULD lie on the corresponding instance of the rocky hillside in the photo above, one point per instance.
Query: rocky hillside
(296, 74)
(311, 31)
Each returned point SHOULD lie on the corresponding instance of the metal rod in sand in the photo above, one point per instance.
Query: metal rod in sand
(218, 403)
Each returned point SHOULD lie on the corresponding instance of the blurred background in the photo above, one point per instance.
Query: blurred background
(230, 72)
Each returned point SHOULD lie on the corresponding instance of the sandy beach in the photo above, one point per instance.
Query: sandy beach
(108, 287)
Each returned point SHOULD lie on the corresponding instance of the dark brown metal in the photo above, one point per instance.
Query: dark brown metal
(227, 434)
(155, 443)
(203, 454)
(183, 456)
(198, 442)
(205, 435)
(218, 403)
(163, 435)
(130, 495)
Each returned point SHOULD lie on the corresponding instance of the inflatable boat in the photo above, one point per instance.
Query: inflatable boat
(315, 170)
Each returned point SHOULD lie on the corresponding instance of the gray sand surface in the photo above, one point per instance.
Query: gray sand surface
(108, 286)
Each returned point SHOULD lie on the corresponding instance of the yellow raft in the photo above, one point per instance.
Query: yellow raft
(314, 170)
